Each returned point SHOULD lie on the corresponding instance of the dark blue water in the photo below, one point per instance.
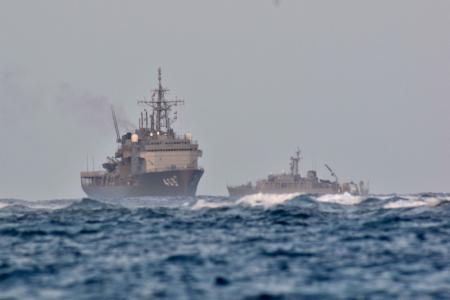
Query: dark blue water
(258, 247)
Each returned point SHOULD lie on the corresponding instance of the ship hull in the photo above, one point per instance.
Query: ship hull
(164, 183)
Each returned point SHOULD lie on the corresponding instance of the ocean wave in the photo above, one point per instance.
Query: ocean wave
(414, 201)
(301, 246)
(266, 200)
(345, 199)
(203, 203)
(254, 200)
(392, 201)
(38, 204)
(91, 204)
(151, 202)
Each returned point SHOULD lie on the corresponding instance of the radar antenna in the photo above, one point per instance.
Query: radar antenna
(161, 107)
(332, 173)
(115, 125)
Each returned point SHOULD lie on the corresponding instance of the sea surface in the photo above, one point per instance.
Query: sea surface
(256, 247)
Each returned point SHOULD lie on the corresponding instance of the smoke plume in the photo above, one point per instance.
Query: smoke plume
(89, 109)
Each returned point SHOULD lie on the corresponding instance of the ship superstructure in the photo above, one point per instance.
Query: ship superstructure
(151, 161)
(293, 182)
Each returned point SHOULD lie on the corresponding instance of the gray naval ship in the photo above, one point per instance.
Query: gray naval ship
(293, 182)
(151, 161)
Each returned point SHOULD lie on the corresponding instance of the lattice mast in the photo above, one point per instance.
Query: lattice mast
(294, 165)
(160, 119)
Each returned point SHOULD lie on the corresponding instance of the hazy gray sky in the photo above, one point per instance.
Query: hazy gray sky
(361, 85)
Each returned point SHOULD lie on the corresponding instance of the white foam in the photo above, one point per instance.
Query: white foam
(384, 197)
(200, 204)
(47, 207)
(345, 199)
(148, 202)
(414, 202)
(38, 204)
(266, 200)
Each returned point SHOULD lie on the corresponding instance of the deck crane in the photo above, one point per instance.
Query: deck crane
(115, 125)
(332, 172)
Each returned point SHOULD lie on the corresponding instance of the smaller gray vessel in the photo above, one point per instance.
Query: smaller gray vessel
(293, 182)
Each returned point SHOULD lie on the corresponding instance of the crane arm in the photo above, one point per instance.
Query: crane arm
(116, 127)
(331, 172)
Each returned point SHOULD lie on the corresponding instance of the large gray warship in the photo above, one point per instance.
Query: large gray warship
(293, 182)
(152, 161)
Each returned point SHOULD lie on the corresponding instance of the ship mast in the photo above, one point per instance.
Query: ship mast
(160, 117)
(161, 91)
(294, 163)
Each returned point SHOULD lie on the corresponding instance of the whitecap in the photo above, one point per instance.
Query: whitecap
(411, 202)
(38, 204)
(345, 199)
(201, 203)
(266, 200)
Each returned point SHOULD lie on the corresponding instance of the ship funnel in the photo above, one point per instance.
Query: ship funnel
(134, 138)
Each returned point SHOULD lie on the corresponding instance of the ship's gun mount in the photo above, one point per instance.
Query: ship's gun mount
(332, 173)
(110, 165)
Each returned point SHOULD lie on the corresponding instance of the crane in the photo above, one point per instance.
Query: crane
(115, 125)
(332, 172)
